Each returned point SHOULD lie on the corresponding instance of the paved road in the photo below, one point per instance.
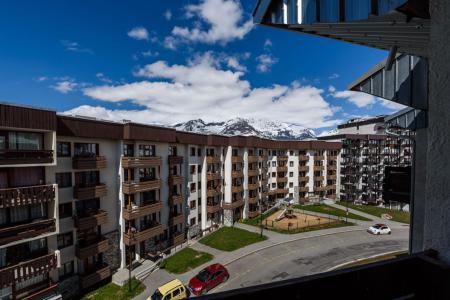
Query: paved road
(310, 256)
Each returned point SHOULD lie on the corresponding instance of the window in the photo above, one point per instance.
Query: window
(199, 152)
(86, 149)
(274, 174)
(128, 150)
(65, 270)
(63, 180)
(199, 168)
(176, 293)
(192, 169)
(193, 204)
(193, 188)
(147, 174)
(235, 152)
(87, 178)
(291, 195)
(23, 140)
(192, 151)
(65, 240)
(199, 185)
(65, 210)
(291, 184)
(63, 149)
(291, 174)
(291, 164)
(291, 152)
(173, 150)
(274, 184)
(147, 150)
(274, 164)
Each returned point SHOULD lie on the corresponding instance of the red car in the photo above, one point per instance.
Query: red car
(208, 278)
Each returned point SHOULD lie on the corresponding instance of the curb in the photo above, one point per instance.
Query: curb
(289, 241)
(360, 259)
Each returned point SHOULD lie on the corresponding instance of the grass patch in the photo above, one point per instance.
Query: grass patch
(336, 224)
(256, 221)
(185, 260)
(231, 238)
(398, 216)
(375, 259)
(326, 209)
(113, 291)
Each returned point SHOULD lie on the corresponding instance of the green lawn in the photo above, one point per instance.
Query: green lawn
(185, 260)
(399, 216)
(113, 291)
(256, 221)
(326, 209)
(230, 239)
(313, 228)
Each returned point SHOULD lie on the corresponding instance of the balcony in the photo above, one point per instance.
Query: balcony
(237, 159)
(91, 219)
(22, 157)
(234, 204)
(253, 186)
(319, 157)
(176, 199)
(319, 178)
(90, 192)
(49, 292)
(211, 192)
(213, 176)
(305, 178)
(140, 211)
(237, 189)
(94, 276)
(253, 200)
(282, 190)
(331, 187)
(176, 179)
(252, 173)
(28, 269)
(331, 177)
(142, 235)
(212, 207)
(303, 168)
(282, 179)
(132, 187)
(331, 167)
(175, 160)
(176, 219)
(282, 169)
(138, 162)
(90, 162)
(263, 157)
(331, 157)
(252, 158)
(319, 168)
(92, 248)
(303, 189)
(237, 174)
(177, 238)
(253, 214)
(303, 157)
(25, 231)
(212, 159)
(27, 195)
(282, 157)
(320, 188)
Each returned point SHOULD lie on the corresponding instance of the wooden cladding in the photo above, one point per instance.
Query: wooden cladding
(22, 157)
(331, 177)
(303, 157)
(252, 200)
(213, 159)
(331, 167)
(213, 192)
(26, 231)
(282, 157)
(320, 188)
(282, 169)
(303, 168)
(26, 117)
(237, 189)
(282, 179)
(26, 270)
(233, 205)
(319, 157)
(303, 189)
(213, 176)
(212, 207)
(136, 187)
(318, 178)
(176, 219)
(96, 276)
(319, 168)
(252, 158)
(86, 163)
(98, 218)
(176, 179)
(90, 192)
(26, 195)
(177, 239)
(175, 160)
(138, 162)
(140, 211)
(237, 159)
(252, 173)
(282, 191)
(236, 174)
(98, 246)
(331, 157)
(253, 186)
(306, 178)
(176, 199)
(139, 236)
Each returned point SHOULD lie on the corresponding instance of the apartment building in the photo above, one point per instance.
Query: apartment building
(367, 150)
(81, 197)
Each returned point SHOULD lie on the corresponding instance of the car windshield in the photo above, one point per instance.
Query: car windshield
(376, 226)
(203, 276)
(157, 295)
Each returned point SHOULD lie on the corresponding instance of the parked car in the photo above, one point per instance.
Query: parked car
(207, 279)
(173, 290)
(379, 229)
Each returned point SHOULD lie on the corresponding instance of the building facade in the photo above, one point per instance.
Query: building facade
(81, 198)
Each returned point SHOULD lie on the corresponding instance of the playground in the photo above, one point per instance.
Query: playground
(288, 220)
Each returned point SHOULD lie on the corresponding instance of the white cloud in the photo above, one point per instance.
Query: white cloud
(224, 19)
(331, 89)
(359, 99)
(150, 53)
(168, 15)
(265, 62)
(199, 89)
(138, 33)
(103, 78)
(75, 47)
(170, 43)
(391, 105)
(41, 78)
(65, 86)
(334, 76)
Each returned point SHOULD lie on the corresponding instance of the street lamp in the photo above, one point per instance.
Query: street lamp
(260, 217)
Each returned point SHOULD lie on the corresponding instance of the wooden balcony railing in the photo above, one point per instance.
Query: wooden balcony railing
(212, 207)
(28, 269)
(282, 190)
(140, 211)
(25, 231)
(177, 239)
(211, 192)
(331, 157)
(237, 174)
(176, 199)
(93, 219)
(237, 159)
(318, 178)
(20, 157)
(175, 160)
(213, 176)
(320, 188)
(43, 293)
(83, 163)
(252, 158)
(282, 157)
(137, 162)
(303, 168)
(98, 246)
(253, 200)
(90, 192)
(331, 167)
(20, 196)
(132, 187)
(233, 205)
(95, 276)
(319, 157)
(253, 173)
(176, 219)
(303, 157)
(319, 168)
(253, 186)
(282, 179)
(331, 177)
(142, 235)
(212, 159)
(176, 179)
(304, 189)
(305, 178)
(237, 189)
(282, 169)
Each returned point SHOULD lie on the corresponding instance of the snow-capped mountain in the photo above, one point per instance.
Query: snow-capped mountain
(330, 132)
(248, 127)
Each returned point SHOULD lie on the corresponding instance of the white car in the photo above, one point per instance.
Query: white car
(379, 229)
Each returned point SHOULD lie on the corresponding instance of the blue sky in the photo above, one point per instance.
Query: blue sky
(169, 61)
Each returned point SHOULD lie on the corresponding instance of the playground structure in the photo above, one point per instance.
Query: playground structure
(287, 211)
(287, 219)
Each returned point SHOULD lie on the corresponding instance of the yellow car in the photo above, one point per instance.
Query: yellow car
(173, 290)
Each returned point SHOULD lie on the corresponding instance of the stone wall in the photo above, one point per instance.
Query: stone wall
(112, 256)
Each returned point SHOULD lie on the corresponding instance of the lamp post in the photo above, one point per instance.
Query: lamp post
(260, 217)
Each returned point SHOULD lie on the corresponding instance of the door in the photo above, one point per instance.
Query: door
(216, 279)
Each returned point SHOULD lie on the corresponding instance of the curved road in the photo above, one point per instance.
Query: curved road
(309, 256)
